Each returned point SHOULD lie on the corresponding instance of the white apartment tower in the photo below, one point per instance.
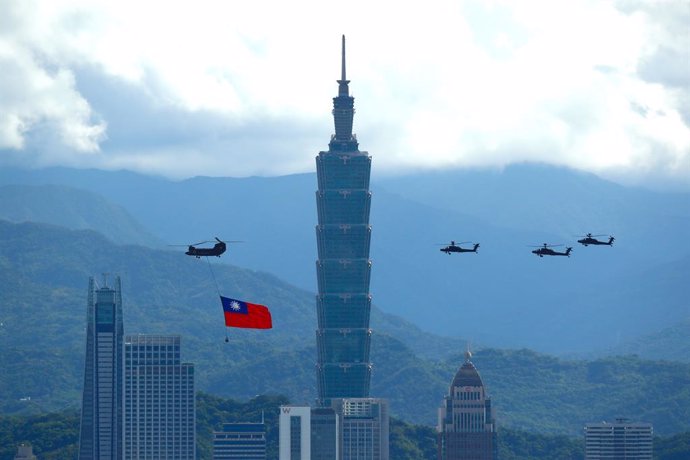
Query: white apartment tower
(295, 433)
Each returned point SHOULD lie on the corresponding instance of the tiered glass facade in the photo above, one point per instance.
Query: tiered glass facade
(101, 412)
(343, 236)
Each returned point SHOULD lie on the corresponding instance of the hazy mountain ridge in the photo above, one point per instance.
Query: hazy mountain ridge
(504, 295)
(671, 343)
(43, 316)
(44, 272)
(559, 200)
(72, 208)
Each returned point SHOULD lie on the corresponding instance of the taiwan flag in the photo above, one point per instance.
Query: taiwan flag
(245, 314)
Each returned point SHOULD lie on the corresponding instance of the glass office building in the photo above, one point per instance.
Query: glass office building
(240, 441)
(159, 399)
(343, 269)
(619, 440)
(365, 428)
(100, 436)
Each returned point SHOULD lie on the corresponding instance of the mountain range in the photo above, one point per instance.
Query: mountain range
(44, 271)
(597, 300)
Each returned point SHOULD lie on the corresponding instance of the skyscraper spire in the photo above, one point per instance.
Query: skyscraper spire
(343, 66)
(343, 89)
(343, 268)
(343, 113)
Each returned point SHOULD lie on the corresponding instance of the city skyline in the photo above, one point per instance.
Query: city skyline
(117, 366)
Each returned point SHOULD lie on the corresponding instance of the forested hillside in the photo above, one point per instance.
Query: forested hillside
(44, 272)
(503, 296)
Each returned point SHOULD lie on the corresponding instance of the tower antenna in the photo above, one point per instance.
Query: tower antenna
(343, 89)
(343, 65)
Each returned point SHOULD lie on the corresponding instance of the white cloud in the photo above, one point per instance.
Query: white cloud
(36, 91)
(588, 84)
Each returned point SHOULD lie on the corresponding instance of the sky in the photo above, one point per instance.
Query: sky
(223, 88)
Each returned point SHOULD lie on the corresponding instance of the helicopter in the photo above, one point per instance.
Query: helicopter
(456, 248)
(217, 249)
(590, 239)
(546, 250)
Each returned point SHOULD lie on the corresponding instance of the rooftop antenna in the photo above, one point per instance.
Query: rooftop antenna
(343, 66)
(343, 89)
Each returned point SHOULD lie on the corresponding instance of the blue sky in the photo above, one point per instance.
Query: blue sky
(244, 88)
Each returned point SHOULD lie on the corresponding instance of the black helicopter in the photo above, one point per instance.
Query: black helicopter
(452, 247)
(217, 249)
(590, 239)
(546, 250)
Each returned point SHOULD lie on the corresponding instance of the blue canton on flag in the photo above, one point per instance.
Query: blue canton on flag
(234, 306)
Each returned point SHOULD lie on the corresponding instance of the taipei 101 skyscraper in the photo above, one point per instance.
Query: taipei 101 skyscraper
(343, 236)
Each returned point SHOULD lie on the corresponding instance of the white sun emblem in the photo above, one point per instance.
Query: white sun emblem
(235, 306)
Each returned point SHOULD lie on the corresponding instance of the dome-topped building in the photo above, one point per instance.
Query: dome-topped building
(466, 427)
(467, 375)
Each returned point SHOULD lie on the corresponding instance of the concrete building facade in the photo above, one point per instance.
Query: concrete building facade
(466, 427)
(294, 433)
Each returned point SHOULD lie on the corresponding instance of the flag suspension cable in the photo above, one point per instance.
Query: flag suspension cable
(213, 275)
(215, 281)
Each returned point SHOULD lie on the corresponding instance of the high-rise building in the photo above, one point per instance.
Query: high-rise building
(309, 433)
(343, 268)
(159, 415)
(466, 427)
(240, 441)
(365, 428)
(325, 434)
(620, 440)
(294, 433)
(100, 436)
